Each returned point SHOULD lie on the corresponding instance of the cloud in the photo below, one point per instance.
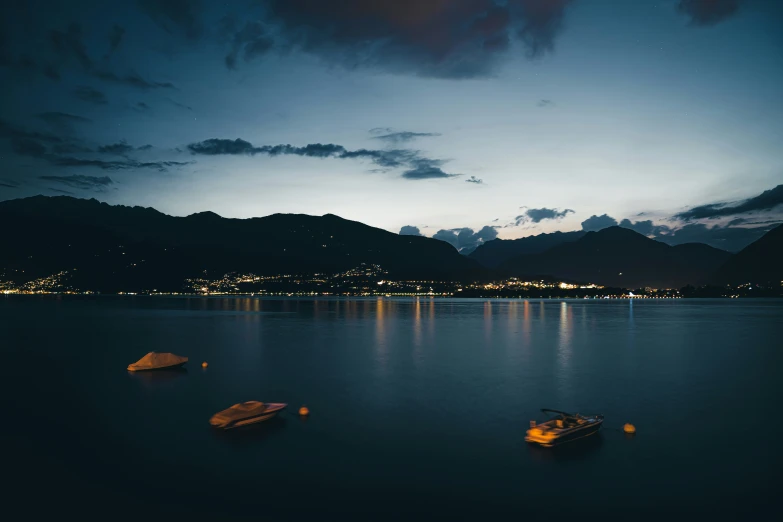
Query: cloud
(545, 103)
(16, 133)
(178, 104)
(403, 136)
(430, 38)
(115, 38)
(410, 230)
(542, 20)
(141, 106)
(176, 16)
(537, 215)
(474, 179)
(132, 79)
(728, 238)
(127, 164)
(595, 223)
(60, 119)
(80, 181)
(120, 149)
(251, 41)
(51, 149)
(28, 147)
(464, 239)
(708, 12)
(423, 168)
(62, 123)
(646, 227)
(8, 183)
(68, 44)
(418, 166)
(60, 191)
(767, 200)
(91, 95)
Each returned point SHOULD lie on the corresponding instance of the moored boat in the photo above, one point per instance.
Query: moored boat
(157, 361)
(564, 427)
(245, 413)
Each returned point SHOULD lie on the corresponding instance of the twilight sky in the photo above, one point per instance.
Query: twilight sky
(507, 117)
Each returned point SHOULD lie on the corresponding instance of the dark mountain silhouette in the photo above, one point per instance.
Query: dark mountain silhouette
(620, 257)
(117, 248)
(759, 262)
(494, 253)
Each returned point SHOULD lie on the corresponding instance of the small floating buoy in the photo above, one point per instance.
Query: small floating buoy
(303, 411)
(204, 364)
(630, 429)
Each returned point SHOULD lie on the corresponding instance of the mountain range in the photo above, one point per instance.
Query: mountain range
(117, 248)
(619, 257)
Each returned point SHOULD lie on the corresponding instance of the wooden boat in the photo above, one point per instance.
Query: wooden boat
(246, 413)
(157, 361)
(564, 427)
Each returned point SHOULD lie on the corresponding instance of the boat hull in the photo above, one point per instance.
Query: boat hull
(229, 419)
(571, 435)
(169, 367)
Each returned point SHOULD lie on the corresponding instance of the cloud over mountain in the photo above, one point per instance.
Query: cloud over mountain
(595, 223)
(466, 240)
(410, 230)
(767, 200)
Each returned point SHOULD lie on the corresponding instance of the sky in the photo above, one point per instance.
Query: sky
(465, 120)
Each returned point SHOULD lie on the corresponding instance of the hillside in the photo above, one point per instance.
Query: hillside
(759, 262)
(118, 247)
(494, 253)
(620, 257)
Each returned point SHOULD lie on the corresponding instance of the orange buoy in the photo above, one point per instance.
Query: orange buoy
(630, 429)
(204, 364)
(303, 411)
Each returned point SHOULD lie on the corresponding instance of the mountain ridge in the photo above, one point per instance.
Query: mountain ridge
(619, 257)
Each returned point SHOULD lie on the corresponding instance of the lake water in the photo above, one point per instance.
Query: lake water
(418, 408)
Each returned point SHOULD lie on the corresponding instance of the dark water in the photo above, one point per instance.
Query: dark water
(419, 408)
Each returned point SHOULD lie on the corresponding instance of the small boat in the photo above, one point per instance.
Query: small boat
(564, 427)
(157, 361)
(246, 413)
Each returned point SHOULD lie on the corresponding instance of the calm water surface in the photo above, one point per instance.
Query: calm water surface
(419, 408)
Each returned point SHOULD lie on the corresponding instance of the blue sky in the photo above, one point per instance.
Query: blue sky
(634, 110)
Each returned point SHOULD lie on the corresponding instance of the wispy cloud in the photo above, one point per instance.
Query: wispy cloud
(403, 136)
(767, 200)
(418, 167)
(88, 94)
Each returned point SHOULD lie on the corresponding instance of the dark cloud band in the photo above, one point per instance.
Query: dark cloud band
(417, 166)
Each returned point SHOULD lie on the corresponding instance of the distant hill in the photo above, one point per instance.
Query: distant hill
(118, 247)
(494, 253)
(620, 257)
(759, 262)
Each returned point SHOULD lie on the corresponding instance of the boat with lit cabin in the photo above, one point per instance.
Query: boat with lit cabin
(564, 427)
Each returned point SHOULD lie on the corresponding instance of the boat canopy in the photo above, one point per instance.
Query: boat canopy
(155, 360)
